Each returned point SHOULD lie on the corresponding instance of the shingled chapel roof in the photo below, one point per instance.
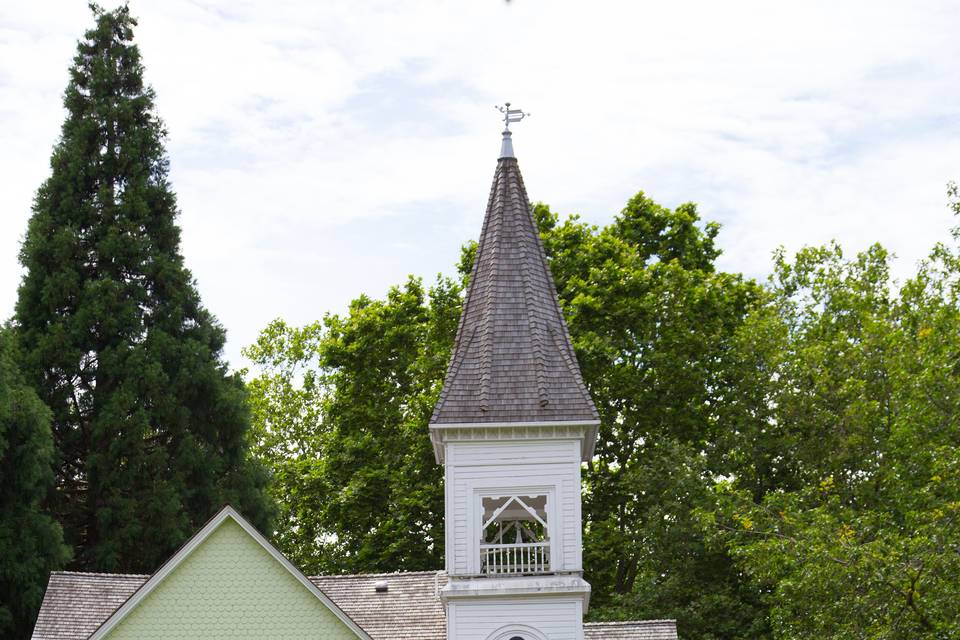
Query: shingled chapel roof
(512, 359)
(76, 604)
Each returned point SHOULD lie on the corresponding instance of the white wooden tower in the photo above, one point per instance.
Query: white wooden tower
(511, 427)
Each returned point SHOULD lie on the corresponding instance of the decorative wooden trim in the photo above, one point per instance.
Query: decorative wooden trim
(585, 431)
(488, 425)
(188, 548)
(521, 630)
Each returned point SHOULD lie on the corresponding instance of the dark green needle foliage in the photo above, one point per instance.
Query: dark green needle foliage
(150, 430)
(31, 543)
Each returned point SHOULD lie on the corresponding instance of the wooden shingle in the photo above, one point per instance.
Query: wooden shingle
(76, 604)
(512, 359)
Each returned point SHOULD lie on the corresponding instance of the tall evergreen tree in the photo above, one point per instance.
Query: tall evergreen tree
(150, 429)
(31, 542)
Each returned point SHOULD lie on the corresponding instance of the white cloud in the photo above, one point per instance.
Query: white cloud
(324, 149)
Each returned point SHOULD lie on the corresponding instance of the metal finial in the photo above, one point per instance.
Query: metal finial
(511, 115)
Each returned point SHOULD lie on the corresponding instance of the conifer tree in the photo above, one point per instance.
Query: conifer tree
(31, 542)
(150, 430)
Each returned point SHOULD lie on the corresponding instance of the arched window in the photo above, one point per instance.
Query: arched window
(514, 536)
(516, 632)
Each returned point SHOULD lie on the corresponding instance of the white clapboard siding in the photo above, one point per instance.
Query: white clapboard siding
(512, 452)
(572, 524)
(475, 468)
(554, 617)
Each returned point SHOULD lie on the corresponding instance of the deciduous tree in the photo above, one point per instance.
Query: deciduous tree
(852, 516)
(651, 319)
(341, 408)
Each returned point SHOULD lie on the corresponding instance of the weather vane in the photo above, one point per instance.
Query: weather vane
(511, 115)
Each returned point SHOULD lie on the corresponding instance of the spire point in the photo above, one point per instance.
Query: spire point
(512, 359)
(509, 115)
(506, 145)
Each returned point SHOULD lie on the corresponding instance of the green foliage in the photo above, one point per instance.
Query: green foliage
(774, 461)
(844, 498)
(150, 430)
(31, 542)
(651, 318)
(341, 408)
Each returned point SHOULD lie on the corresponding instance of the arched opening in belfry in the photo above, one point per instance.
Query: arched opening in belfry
(516, 632)
(515, 536)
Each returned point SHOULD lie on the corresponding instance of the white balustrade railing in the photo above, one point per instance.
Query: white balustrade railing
(515, 559)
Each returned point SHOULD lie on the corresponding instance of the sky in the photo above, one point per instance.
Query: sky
(320, 150)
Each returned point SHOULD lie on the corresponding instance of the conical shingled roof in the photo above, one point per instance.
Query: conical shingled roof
(512, 360)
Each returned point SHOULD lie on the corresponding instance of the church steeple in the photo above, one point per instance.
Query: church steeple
(512, 360)
(512, 425)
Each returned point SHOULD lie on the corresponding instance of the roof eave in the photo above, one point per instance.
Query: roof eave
(198, 538)
(588, 440)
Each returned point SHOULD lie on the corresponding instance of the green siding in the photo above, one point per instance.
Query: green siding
(231, 587)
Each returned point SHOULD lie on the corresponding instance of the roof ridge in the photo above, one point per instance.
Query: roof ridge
(378, 575)
(486, 305)
(103, 574)
(569, 359)
(452, 369)
(225, 514)
(613, 623)
(536, 335)
(454, 365)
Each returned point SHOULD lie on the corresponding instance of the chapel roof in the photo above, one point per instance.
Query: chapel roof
(76, 604)
(512, 359)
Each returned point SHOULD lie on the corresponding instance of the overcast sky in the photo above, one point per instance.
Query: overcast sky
(324, 149)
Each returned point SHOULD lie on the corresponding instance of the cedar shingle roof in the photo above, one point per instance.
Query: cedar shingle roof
(643, 630)
(75, 604)
(410, 608)
(512, 360)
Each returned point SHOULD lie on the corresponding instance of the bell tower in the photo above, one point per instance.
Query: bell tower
(511, 427)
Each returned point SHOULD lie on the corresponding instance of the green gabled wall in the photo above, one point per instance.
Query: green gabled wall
(230, 587)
